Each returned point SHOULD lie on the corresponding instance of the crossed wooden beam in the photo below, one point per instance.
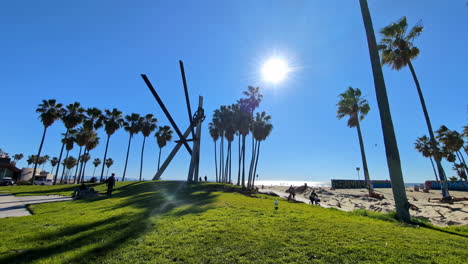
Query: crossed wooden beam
(194, 128)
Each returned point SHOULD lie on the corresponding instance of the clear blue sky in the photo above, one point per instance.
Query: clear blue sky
(94, 51)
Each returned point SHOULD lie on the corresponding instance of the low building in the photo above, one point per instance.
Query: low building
(7, 169)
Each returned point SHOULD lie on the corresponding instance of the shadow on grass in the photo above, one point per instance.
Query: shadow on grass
(97, 239)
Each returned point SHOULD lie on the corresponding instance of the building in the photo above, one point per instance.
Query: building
(7, 169)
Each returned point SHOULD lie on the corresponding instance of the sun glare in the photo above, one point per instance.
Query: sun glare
(275, 70)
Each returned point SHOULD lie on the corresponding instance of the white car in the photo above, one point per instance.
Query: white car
(44, 182)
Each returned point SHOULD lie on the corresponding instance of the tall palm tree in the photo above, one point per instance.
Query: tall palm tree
(398, 50)
(83, 159)
(96, 163)
(148, 125)
(91, 143)
(465, 134)
(163, 136)
(352, 104)
(71, 116)
(424, 146)
(109, 162)
(49, 111)
(53, 162)
(218, 123)
(112, 122)
(261, 131)
(214, 132)
(391, 148)
(69, 141)
(69, 163)
(132, 126)
(81, 138)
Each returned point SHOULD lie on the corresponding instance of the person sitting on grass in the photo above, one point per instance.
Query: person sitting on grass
(77, 191)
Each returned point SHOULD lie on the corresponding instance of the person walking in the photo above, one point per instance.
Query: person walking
(110, 184)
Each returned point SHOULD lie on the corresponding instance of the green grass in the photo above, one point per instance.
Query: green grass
(167, 222)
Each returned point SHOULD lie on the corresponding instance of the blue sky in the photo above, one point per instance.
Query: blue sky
(94, 51)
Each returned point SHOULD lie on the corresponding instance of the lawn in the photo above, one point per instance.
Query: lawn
(167, 222)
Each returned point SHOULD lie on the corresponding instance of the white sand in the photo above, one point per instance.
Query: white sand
(440, 214)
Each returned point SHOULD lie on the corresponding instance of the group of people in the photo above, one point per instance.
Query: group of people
(313, 197)
(83, 190)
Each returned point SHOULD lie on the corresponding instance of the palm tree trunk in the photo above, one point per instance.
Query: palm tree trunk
(256, 160)
(243, 161)
(38, 154)
(442, 176)
(391, 148)
(94, 171)
(77, 165)
(226, 168)
(216, 161)
(252, 159)
(141, 162)
(83, 173)
(433, 168)
(104, 160)
(63, 170)
(240, 158)
(159, 158)
(230, 164)
(363, 156)
(126, 158)
(221, 159)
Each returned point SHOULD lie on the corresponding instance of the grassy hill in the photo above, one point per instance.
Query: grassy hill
(167, 222)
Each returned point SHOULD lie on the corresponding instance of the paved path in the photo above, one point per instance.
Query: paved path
(12, 206)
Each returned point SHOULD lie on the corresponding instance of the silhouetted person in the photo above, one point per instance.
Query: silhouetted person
(110, 184)
(199, 179)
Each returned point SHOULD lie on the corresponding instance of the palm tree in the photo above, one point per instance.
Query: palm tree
(391, 148)
(109, 162)
(261, 131)
(147, 125)
(247, 106)
(214, 132)
(83, 159)
(69, 141)
(43, 160)
(351, 104)
(31, 159)
(163, 136)
(71, 116)
(91, 144)
(112, 122)
(218, 124)
(132, 126)
(452, 142)
(53, 162)
(424, 146)
(69, 163)
(81, 138)
(49, 111)
(96, 163)
(17, 157)
(398, 50)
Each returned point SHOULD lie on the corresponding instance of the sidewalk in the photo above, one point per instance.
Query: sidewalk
(13, 206)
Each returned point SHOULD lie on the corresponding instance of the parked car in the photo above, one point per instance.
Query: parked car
(7, 181)
(44, 182)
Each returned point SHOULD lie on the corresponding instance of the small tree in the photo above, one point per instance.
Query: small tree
(109, 162)
(96, 163)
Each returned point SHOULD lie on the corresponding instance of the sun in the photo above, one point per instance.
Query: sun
(275, 70)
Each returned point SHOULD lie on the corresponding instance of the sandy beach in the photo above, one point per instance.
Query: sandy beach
(440, 214)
